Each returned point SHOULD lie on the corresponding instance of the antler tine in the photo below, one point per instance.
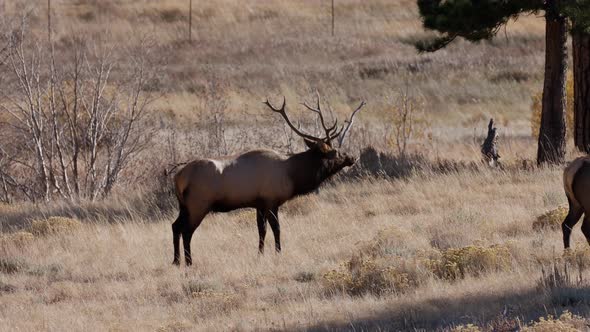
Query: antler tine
(318, 110)
(349, 123)
(282, 112)
(278, 110)
(336, 133)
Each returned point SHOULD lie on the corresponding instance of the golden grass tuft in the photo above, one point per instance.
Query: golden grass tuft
(215, 299)
(456, 263)
(551, 219)
(17, 239)
(567, 322)
(466, 328)
(55, 225)
(360, 276)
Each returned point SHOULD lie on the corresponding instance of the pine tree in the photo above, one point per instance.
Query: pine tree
(579, 13)
(481, 19)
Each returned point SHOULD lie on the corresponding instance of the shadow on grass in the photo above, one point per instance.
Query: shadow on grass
(495, 312)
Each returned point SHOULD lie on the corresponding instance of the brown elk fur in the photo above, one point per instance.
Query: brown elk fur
(260, 179)
(576, 182)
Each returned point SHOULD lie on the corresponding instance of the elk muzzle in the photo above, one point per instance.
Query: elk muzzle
(349, 160)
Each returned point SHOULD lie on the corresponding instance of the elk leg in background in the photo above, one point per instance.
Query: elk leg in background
(273, 220)
(176, 231)
(586, 228)
(187, 235)
(261, 216)
(570, 221)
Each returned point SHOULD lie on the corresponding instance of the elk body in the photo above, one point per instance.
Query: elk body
(576, 182)
(260, 179)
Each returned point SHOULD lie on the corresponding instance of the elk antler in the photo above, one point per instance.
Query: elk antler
(330, 131)
(349, 123)
(282, 112)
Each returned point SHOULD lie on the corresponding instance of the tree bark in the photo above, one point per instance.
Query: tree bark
(581, 50)
(551, 147)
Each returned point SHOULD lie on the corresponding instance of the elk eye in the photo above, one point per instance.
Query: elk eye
(332, 154)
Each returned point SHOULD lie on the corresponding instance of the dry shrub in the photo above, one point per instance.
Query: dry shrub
(304, 276)
(7, 288)
(171, 15)
(556, 277)
(9, 266)
(54, 225)
(361, 276)
(409, 122)
(578, 257)
(551, 219)
(567, 322)
(377, 163)
(17, 239)
(176, 327)
(196, 287)
(456, 263)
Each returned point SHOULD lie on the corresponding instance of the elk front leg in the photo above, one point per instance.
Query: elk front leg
(261, 221)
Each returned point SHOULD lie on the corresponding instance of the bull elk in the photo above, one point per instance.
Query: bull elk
(260, 179)
(576, 182)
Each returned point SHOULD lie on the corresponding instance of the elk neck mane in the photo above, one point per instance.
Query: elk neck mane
(307, 171)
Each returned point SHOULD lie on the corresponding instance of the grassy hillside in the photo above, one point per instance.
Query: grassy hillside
(267, 48)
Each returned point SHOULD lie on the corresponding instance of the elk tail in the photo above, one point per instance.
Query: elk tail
(172, 167)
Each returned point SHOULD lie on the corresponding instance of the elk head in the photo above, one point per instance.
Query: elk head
(332, 160)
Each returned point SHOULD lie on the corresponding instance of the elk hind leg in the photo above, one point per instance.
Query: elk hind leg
(261, 216)
(586, 228)
(273, 220)
(187, 234)
(176, 232)
(574, 214)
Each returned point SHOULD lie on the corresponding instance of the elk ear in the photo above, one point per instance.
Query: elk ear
(310, 144)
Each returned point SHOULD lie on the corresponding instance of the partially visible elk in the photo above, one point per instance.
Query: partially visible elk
(260, 179)
(576, 182)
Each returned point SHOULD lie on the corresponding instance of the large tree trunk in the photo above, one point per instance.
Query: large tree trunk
(551, 148)
(581, 49)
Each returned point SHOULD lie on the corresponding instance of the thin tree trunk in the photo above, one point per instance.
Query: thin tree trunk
(551, 148)
(581, 50)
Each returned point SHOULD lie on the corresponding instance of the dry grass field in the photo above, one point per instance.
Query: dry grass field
(373, 254)
(456, 248)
